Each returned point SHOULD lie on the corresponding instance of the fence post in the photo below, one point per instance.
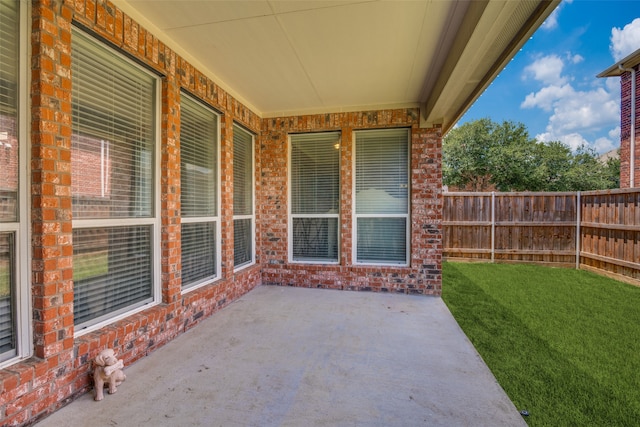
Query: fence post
(493, 226)
(578, 239)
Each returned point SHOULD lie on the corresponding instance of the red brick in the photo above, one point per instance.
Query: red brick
(51, 204)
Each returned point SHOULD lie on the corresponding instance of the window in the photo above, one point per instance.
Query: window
(115, 225)
(199, 137)
(243, 213)
(382, 196)
(14, 297)
(315, 197)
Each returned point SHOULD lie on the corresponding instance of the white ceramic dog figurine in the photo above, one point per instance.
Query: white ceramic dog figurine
(107, 370)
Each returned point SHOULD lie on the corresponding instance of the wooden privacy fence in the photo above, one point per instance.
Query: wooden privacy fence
(595, 230)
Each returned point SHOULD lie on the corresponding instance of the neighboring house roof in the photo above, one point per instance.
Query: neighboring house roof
(620, 67)
(611, 154)
(307, 57)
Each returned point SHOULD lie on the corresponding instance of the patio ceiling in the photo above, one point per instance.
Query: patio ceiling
(303, 57)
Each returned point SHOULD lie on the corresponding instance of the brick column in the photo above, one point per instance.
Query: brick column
(426, 208)
(170, 190)
(52, 274)
(272, 201)
(226, 199)
(346, 197)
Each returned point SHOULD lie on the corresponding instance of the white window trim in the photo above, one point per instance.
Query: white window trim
(407, 216)
(291, 216)
(21, 229)
(215, 219)
(252, 216)
(154, 220)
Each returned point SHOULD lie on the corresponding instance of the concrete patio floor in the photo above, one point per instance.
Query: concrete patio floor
(283, 356)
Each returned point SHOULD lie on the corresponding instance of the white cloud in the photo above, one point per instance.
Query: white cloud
(547, 97)
(551, 22)
(575, 59)
(587, 110)
(573, 140)
(547, 69)
(613, 86)
(615, 133)
(604, 145)
(574, 113)
(626, 40)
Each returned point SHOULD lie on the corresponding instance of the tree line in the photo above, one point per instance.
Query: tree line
(485, 156)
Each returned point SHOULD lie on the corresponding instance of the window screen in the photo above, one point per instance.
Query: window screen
(9, 178)
(243, 212)
(9, 50)
(199, 191)
(315, 196)
(7, 297)
(111, 271)
(112, 160)
(382, 196)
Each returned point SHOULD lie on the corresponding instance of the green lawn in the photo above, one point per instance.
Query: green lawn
(564, 344)
(90, 264)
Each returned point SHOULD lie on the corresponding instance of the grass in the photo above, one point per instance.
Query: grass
(564, 344)
(90, 264)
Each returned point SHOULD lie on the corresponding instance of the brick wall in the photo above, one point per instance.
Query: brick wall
(60, 367)
(625, 130)
(423, 276)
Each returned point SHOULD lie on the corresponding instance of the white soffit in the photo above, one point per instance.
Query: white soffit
(300, 57)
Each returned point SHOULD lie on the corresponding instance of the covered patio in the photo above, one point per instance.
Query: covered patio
(284, 356)
(165, 158)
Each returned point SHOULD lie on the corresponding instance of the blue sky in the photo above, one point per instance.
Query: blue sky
(551, 84)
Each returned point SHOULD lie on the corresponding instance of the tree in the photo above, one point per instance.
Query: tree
(483, 155)
(465, 154)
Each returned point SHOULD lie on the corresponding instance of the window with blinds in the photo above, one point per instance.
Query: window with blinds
(9, 61)
(112, 271)
(315, 197)
(11, 310)
(243, 212)
(112, 160)
(382, 196)
(199, 136)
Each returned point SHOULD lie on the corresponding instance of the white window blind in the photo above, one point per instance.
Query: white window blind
(243, 211)
(9, 51)
(112, 271)
(382, 196)
(15, 286)
(198, 252)
(112, 160)
(315, 197)
(9, 34)
(198, 158)
(8, 335)
(199, 191)
(113, 134)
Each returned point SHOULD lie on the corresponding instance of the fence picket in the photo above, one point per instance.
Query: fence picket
(596, 230)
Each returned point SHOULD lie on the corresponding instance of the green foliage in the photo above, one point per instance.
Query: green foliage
(562, 343)
(482, 155)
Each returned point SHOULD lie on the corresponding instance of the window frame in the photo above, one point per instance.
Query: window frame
(356, 215)
(21, 228)
(292, 216)
(216, 219)
(252, 216)
(153, 221)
